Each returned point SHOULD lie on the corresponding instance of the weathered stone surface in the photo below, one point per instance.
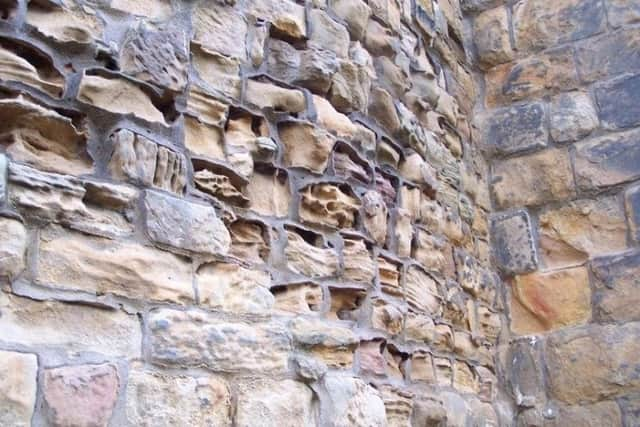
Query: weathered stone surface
(249, 241)
(305, 146)
(580, 230)
(80, 395)
(523, 364)
(269, 194)
(73, 328)
(139, 160)
(185, 225)
(538, 25)
(572, 117)
(64, 23)
(533, 179)
(217, 29)
(617, 105)
(269, 96)
(118, 96)
(160, 399)
(340, 125)
(305, 258)
(156, 57)
(597, 414)
(193, 338)
(13, 247)
(422, 292)
(298, 298)
(358, 264)
(202, 139)
(609, 55)
(632, 208)
(73, 261)
(332, 344)
(4, 173)
(608, 160)
(592, 363)
(351, 402)
(220, 73)
(491, 36)
(375, 216)
(154, 9)
(286, 16)
(328, 204)
(387, 316)
(355, 13)
(617, 284)
(622, 12)
(328, 34)
(534, 76)
(270, 403)
(23, 63)
(18, 386)
(550, 300)
(517, 128)
(42, 137)
(232, 288)
(630, 409)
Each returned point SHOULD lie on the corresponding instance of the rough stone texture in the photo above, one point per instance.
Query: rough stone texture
(617, 279)
(610, 55)
(18, 387)
(535, 179)
(82, 395)
(632, 208)
(13, 246)
(607, 354)
(351, 402)
(550, 300)
(517, 128)
(513, 244)
(159, 399)
(572, 117)
(607, 161)
(616, 102)
(491, 32)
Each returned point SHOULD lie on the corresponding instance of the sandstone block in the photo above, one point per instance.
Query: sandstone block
(305, 146)
(18, 386)
(630, 408)
(545, 301)
(534, 179)
(524, 370)
(286, 16)
(594, 415)
(538, 24)
(358, 263)
(269, 96)
(491, 36)
(118, 96)
(616, 101)
(607, 160)
(65, 23)
(610, 55)
(182, 224)
(517, 128)
(351, 402)
(232, 288)
(617, 290)
(355, 13)
(24, 63)
(193, 338)
(4, 168)
(622, 12)
(328, 34)
(284, 403)
(269, 193)
(593, 363)
(154, 9)
(333, 344)
(374, 216)
(580, 230)
(572, 117)
(202, 139)
(160, 399)
(43, 138)
(221, 74)
(632, 207)
(328, 204)
(217, 29)
(341, 126)
(387, 316)
(422, 292)
(81, 395)
(13, 247)
(72, 328)
(73, 261)
(298, 298)
(536, 75)
(308, 259)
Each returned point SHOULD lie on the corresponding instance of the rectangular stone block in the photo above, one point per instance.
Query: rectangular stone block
(573, 117)
(609, 160)
(610, 55)
(534, 179)
(3, 178)
(593, 362)
(538, 24)
(537, 75)
(617, 292)
(544, 301)
(194, 338)
(183, 224)
(514, 249)
(491, 36)
(632, 207)
(18, 387)
(517, 128)
(618, 102)
(580, 230)
(78, 262)
(67, 327)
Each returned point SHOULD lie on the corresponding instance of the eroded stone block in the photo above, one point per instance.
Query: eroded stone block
(573, 117)
(309, 259)
(18, 386)
(352, 399)
(513, 246)
(13, 247)
(491, 36)
(328, 204)
(617, 290)
(517, 128)
(305, 146)
(617, 105)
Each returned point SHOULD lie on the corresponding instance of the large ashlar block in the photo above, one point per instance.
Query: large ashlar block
(514, 249)
(617, 287)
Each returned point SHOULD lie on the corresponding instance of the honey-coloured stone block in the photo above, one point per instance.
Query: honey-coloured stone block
(491, 36)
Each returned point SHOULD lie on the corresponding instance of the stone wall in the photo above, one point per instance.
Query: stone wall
(247, 213)
(560, 120)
